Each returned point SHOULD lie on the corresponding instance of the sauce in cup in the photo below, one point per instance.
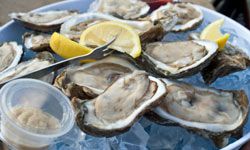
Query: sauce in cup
(33, 114)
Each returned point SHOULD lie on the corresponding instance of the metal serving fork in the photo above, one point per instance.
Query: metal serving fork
(97, 53)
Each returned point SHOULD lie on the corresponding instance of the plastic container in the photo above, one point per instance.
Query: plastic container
(33, 94)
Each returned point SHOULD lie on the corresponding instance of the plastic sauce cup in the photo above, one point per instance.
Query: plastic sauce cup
(34, 94)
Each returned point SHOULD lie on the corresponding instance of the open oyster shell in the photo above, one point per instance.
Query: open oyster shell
(43, 21)
(188, 15)
(212, 113)
(10, 55)
(124, 9)
(37, 42)
(42, 60)
(120, 105)
(146, 29)
(90, 80)
(177, 59)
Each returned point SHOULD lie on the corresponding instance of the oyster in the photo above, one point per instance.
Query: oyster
(228, 60)
(215, 114)
(177, 59)
(10, 55)
(124, 9)
(37, 42)
(90, 80)
(146, 29)
(42, 60)
(122, 103)
(188, 15)
(43, 21)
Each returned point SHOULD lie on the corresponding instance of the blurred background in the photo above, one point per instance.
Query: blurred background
(235, 9)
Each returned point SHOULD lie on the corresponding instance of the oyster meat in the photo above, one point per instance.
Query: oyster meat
(90, 80)
(188, 15)
(177, 59)
(10, 55)
(115, 110)
(124, 9)
(37, 42)
(74, 27)
(43, 21)
(42, 60)
(215, 114)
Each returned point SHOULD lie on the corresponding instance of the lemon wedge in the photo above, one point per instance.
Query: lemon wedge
(212, 32)
(127, 39)
(67, 48)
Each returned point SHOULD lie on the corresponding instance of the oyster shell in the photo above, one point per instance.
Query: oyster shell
(37, 42)
(188, 15)
(10, 55)
(122, 103)
(42, 60)
(43, 21)
(215, 114)
(228, 60)
(90, 80)
(177, 59)
(125, 9)
(146, 29)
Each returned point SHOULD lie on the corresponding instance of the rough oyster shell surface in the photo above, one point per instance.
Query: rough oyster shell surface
(177, 59)
(188, 15)
(43, 21)
(215, 114)
(122, 103)
(125, 9)
(10, 55)
(90, 80)
(230, 59)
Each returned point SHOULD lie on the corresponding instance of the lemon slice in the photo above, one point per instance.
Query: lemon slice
(67, 48)
(127, 39)
(212, 32)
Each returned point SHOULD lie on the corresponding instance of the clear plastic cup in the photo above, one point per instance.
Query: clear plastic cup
(39, 95)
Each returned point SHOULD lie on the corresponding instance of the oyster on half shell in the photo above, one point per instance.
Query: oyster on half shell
(10, 55)
(215, 114)
(37, 42)
(120, 105)
(43, 21)
(177, 59)
(42, 60)
(90, 80)
(146, 29)
(124, 9)
(188, 15)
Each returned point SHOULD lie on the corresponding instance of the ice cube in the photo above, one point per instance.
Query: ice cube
(69, 141)
(171, 137)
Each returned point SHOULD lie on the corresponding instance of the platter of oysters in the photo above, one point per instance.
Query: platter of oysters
(180, 79)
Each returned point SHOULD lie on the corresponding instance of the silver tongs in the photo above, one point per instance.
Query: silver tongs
(96, 54)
